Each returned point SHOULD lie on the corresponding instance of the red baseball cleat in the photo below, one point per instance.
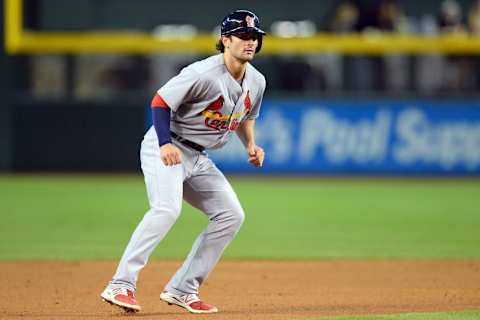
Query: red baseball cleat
(121, 297)
(191, 302)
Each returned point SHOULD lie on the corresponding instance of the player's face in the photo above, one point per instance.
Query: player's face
(242, 46)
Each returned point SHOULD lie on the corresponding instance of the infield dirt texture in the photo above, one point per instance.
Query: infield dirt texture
(308, 248)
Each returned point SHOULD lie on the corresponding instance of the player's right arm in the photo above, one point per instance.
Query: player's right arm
(169, 153)
(186, 86)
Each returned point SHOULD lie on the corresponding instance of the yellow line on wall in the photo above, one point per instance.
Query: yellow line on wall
(13, 24)
(144, 43)
(111, 42)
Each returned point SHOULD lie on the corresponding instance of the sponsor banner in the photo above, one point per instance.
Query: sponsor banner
(310, 136)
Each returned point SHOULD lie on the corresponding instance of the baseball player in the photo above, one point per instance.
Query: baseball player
(198, 109)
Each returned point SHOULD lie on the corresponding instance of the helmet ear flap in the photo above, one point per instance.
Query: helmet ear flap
(259, 45)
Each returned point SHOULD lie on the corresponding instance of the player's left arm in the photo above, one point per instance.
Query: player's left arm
(246, 133)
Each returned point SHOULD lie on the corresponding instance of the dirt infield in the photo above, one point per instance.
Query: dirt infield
(246, 289)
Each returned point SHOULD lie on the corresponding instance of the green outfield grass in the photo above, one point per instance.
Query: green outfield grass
(465, 315)
(92, 217)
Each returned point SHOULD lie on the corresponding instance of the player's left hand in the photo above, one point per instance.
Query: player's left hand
(255, 155)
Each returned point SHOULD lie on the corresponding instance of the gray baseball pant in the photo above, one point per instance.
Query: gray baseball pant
(200, 183)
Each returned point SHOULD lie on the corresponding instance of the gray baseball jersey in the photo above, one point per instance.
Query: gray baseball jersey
(208, 104)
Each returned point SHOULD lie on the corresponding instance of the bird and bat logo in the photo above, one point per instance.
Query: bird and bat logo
(217, 120)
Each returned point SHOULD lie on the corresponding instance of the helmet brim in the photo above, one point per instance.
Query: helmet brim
(245, 30)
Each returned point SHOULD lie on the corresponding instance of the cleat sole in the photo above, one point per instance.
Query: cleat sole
(126, 309)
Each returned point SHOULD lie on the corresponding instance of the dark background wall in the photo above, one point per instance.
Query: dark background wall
(76, 136)
(146, 14)
(5, 94)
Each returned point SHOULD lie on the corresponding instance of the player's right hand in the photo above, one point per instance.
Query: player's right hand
(170, 154)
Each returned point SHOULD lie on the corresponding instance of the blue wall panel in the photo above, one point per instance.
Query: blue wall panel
(371, 137)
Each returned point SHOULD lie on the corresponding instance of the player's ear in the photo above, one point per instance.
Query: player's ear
(226, 41)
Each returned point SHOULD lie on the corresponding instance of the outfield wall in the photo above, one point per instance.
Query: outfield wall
(364, 137)
(300, 137)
